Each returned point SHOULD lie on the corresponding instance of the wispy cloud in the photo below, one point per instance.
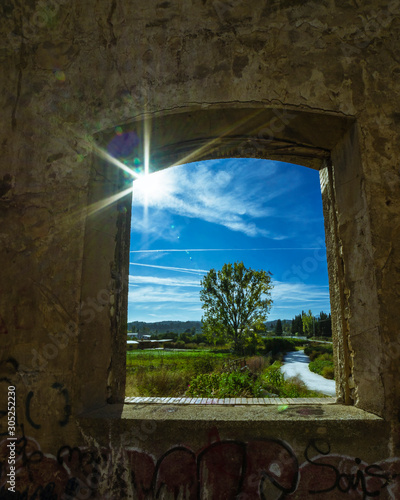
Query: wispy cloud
(234, 197)
(169, 268)
(294, 297)
(157, 280)
(167, 250)
(162, 294)
(251, 198)
(183, 312)
(302, 295)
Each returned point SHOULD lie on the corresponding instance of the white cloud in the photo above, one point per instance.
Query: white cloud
(186, 250)
(233, 197)
(155, 294)
(167, 296)
(298, 293)
(170, 268)
(156, 280)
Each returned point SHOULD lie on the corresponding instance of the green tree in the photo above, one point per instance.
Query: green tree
(308, 323)
(323, 326)
(297, 325)
(185, 337)
(169, 335)
(252, 342)
(235, 300)
(278, 328)
(286, 325)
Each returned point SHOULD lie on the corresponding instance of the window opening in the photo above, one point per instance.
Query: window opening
(191, 218)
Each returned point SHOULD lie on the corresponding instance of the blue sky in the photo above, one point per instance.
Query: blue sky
(191, 218)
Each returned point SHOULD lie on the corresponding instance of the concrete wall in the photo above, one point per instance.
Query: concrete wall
(306, 82)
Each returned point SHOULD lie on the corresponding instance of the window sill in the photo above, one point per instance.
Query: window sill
(156, 427)
(300, 409)
(228, 401)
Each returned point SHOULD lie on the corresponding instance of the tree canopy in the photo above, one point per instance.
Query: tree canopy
(236, 301)
(278, 328)
(308, 323)
(319, 326)
(297, 325)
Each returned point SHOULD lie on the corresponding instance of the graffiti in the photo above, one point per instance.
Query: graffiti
(331, 476)
(225, 469)
(67, 407)
(39, 476)
(28, 411)
(346, 482)
(229, 468)
(64, 409)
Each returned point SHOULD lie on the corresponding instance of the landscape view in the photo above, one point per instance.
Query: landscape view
(228, 278)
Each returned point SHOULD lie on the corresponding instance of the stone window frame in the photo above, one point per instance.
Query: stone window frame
(323, 141)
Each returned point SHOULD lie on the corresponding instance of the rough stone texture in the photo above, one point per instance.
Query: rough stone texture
(315, 83)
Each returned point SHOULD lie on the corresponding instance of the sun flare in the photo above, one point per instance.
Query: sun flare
(151, 187)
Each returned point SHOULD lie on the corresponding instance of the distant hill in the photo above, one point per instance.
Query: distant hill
(179, 326)
(164, 327)
(272, 324)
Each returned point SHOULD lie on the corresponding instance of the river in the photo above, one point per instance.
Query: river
(296, 363)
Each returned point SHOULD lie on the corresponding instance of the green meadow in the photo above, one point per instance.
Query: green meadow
(205, 373)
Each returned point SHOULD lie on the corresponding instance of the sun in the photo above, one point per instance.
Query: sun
(151, 188)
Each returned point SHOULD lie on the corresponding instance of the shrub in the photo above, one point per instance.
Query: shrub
(314, 350)
(273, 376)
(294, 387)
(224, 385)
(322, 366)
(275, 345)
(328, 372)
(204, 364)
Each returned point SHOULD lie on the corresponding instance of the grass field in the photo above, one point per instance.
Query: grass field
(201, 373)
(159, 357)
(167, 373)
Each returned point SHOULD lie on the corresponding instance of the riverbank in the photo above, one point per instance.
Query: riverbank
(296, 363)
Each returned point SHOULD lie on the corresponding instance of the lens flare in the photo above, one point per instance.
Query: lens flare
(103, 154)
(99, 205)
(60, 75)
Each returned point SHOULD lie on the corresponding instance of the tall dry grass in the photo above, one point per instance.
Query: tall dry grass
(161, 382)
(257, 364)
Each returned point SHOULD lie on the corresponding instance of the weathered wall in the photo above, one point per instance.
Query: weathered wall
(72, 71)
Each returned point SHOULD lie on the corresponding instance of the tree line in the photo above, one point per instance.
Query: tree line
(236, 301)
(308, 325)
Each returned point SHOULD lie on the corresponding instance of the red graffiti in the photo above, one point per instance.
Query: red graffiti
(35, 474)
(222, 470)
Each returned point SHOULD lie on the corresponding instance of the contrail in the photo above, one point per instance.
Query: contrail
(178, 269)
(224, 249)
